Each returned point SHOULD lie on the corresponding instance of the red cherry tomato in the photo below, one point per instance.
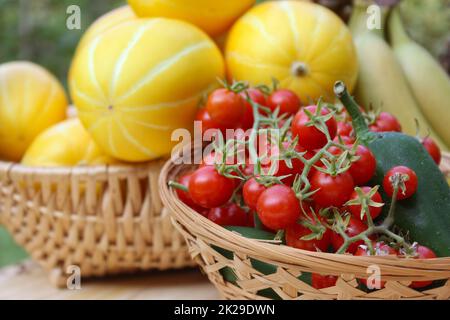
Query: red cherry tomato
(381, 249)
(433, 149)
(184, 195)
(286, 100)
(364, 168)
(207, 122)
(310, 137)
(333, 191)
(278, 207)
(282, 167)
(345, 139)
(296, 231)
(209, 189)
(355, 210)
(354, 227)
(251, 191)
(225, 107)
(228, 215)
(423, 253)
(386, 122)
(344, 129)
(410, 184)
(258, 97)
(319, 281)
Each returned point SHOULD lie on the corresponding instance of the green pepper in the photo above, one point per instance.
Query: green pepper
(426, 215)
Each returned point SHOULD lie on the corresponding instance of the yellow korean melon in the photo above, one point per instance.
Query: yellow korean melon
(303, 45)
(31, 100)
(65, 144)
(213, 16)
(105, 22)
(136, 83)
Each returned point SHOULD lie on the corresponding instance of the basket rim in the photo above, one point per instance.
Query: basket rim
(393, 267)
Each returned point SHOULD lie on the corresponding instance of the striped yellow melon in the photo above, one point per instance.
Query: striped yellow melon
(303, 45)
(31, 100)
(134, 84)
(105, 22)
(65, 144)
(213, 16)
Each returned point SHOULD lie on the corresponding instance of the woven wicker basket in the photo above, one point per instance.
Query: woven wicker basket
(218, 250)
(104, 219)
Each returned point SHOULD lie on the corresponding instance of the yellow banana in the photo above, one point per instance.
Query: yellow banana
(381, 82)
(429, 83)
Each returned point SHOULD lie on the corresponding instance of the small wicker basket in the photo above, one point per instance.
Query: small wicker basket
(219, 251)
(103, 219)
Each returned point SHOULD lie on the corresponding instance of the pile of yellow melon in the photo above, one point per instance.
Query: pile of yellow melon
(140, 71)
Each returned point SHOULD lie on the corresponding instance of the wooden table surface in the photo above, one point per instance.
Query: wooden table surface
(28, 281)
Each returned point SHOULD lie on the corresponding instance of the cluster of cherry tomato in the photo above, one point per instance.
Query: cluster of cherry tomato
(276, 204)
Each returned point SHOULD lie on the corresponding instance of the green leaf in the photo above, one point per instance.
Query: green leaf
(10, 252)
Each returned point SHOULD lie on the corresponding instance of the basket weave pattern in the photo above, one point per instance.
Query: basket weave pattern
(201, 234)
(106, 220)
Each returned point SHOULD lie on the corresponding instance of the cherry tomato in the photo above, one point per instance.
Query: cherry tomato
(319, 281)
(433, 149)
(333, 191)
(344, 129)
(410, 183)
(354, 227)
(209, 189)
(225, 107)
(286, 100)
(278, 207)
(282, 167)
(381, 249)
(207, 122)
(258, 97)
(345, 139)
(386, 122)
(184, 195)
(355, 210)
(423, 253)
(295, 231)
(228, 215)
(364, 168)
(251, 191)
(310, 137)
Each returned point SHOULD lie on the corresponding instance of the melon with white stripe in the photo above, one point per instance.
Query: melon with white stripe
(137, 82)
(303, 45)
(31, 100)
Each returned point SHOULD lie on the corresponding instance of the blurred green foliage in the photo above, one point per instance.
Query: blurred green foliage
(36, 30)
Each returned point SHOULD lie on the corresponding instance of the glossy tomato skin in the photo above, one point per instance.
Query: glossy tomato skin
(354, 227)
(295, 231)
(184, 195)
(310, 137)
(433, 149)
(355, 210)
(228, 215)
(207, 122)
(381, 249)
(209, 189)
(333, 191)
(410, 184)
(286, 100)
(278, 207)
(251, 191)
(423, 253)
(319, 281)
(258, 97)
(363, 169)
(344, 129)
(225, 107)
(386, 122)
